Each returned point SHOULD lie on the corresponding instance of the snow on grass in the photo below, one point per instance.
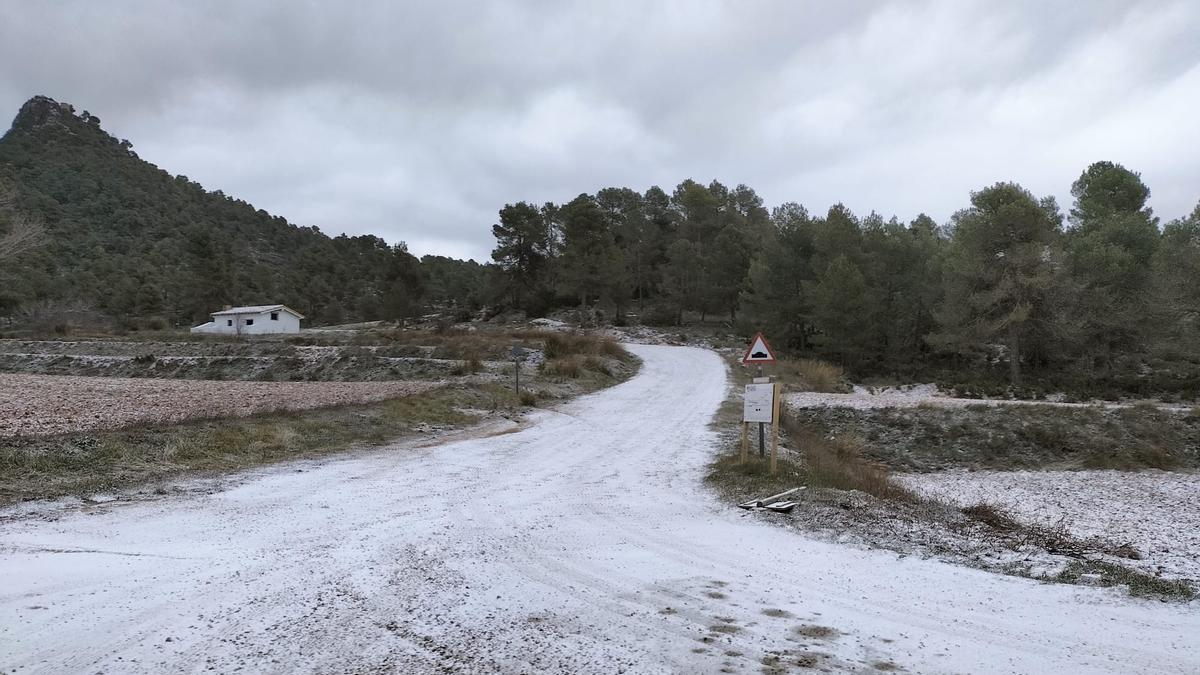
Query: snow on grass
(1156, 512)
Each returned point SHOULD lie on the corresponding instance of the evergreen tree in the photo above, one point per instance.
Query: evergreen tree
(1176, 293)
(591, 263)
(524, 245)
(1110, 249)
(902, 270)
(841, 307)
(776, 295)
(1003, 273)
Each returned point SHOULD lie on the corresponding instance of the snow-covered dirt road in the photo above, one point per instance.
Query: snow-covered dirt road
(582, 544)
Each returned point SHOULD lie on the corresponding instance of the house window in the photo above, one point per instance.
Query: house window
(249, 322)
(228, 322)
(274, 316)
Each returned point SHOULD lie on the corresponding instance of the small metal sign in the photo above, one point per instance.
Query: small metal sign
(759, 403)
(519, 353)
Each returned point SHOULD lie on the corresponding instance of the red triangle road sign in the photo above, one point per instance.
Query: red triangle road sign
(759, 351)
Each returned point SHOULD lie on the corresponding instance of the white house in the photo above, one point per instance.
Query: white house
(255, 320)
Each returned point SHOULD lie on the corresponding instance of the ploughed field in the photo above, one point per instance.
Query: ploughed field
(49, 404)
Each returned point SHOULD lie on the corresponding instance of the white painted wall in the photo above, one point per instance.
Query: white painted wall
(251, 324)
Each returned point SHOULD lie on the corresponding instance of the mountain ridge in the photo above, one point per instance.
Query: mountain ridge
(128, 239)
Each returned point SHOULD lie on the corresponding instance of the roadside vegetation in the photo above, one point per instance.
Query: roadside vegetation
(357, 355)
(38, 467)
(932, 437)
(849, 486)
(86, 462)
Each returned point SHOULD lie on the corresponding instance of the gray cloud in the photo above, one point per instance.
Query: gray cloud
(417, 122)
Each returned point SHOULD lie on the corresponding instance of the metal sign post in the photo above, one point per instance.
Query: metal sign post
(518, 354)
(762, 400)
(758, 404)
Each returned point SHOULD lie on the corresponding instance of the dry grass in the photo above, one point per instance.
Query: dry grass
(1006, 437)
(838, 462)
(753, 477)
(1140, 584)
(992, 516)
(812, 375)
(87, 462)
(560, 345)
(468, 367)
(575, 366)
(569, 366)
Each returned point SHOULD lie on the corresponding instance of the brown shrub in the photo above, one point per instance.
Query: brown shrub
(596, 365)
(467, 367)
(559, 345)
(992, 516)
(570, 366)
(813, 375)
(837, 462)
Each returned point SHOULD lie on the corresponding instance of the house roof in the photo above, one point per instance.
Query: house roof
(257, 309)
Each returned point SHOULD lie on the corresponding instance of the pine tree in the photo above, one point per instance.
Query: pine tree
(1003, 273)
(591, 264)
(840, 308)
(1110, 249)
(524, 245)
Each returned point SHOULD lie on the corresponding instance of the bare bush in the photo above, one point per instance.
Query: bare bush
(814, 375)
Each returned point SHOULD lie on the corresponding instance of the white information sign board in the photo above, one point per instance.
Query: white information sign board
(759, 403)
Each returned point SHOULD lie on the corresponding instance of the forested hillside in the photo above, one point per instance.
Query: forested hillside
(1103, 297)
(90, 226)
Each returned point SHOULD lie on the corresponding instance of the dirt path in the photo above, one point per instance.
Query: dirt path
(583, 544)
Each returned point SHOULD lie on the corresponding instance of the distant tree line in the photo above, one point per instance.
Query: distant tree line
(1010, 285)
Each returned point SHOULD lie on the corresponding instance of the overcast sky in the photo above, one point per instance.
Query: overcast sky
(417, 122)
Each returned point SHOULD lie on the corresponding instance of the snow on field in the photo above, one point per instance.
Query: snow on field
(585, 543)
(48, 404)
(1157, 512)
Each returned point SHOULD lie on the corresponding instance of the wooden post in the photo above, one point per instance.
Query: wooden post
(745, 429)
(775, 427)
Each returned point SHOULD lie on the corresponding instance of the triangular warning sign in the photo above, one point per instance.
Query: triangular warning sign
(759, 351)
